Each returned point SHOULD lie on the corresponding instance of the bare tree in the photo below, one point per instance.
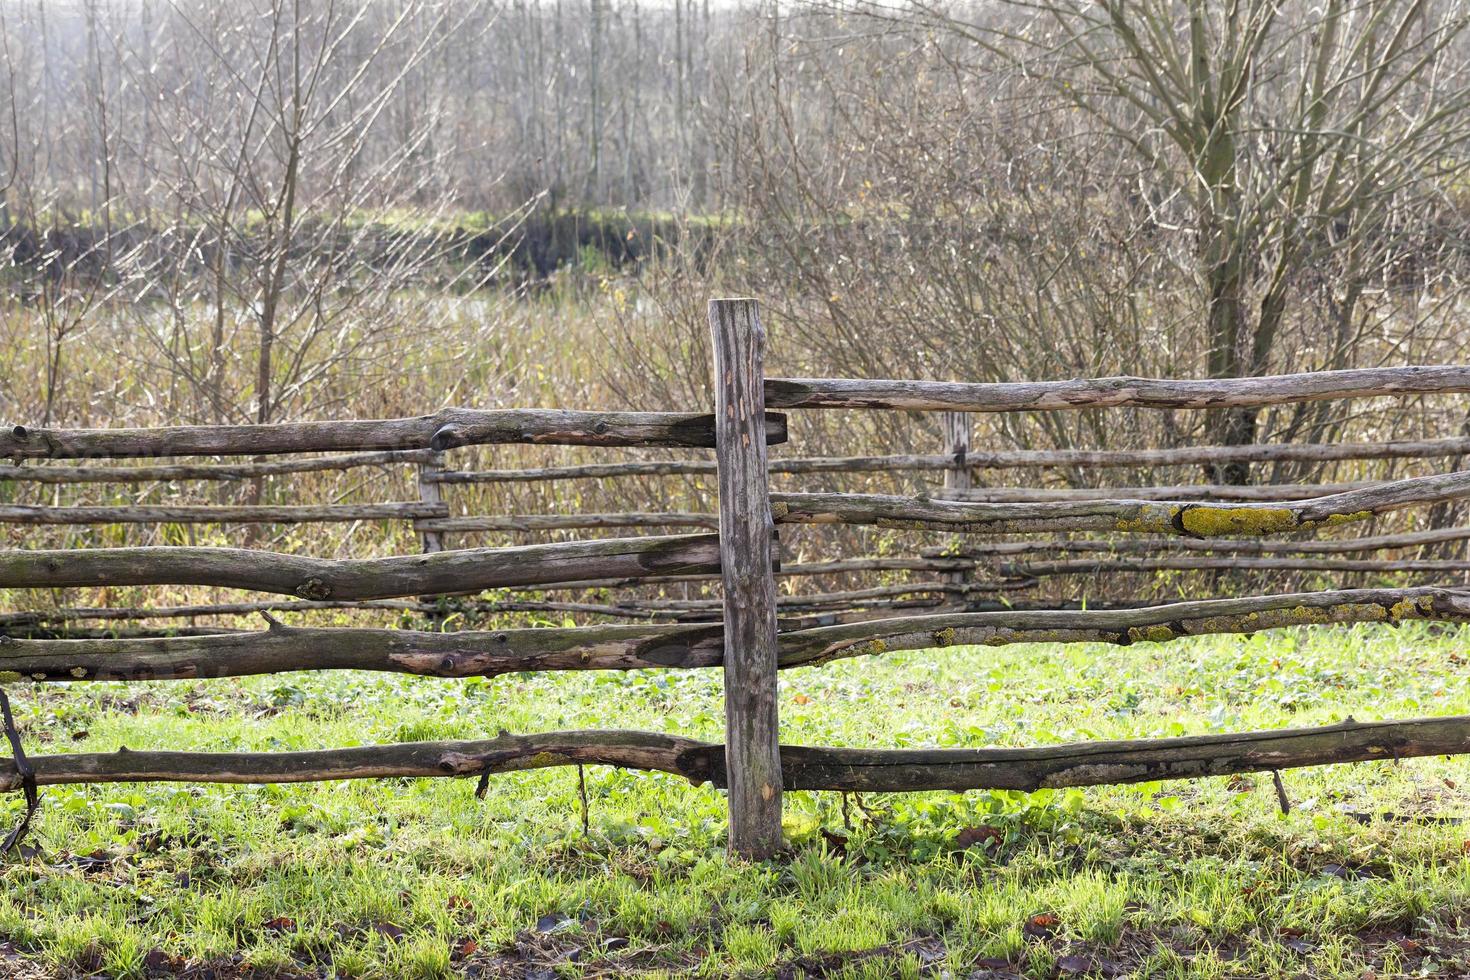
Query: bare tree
(1300, 144)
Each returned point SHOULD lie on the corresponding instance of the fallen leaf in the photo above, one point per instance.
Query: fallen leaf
(459, 902)
(1042, 924)
(463, 950)
(984, 836)
(388, 929)
(280, 923)
(555, 922)
(157, 961)
(1074, 964)
(802, 699)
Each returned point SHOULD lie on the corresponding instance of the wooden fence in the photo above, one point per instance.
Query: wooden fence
(751, 630)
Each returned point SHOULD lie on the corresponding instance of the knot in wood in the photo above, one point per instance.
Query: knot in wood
(20, 432)
(313, 588)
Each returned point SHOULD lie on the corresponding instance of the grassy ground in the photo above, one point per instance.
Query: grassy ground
(416, 878)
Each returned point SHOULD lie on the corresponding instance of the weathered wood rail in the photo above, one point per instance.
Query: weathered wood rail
(750, 628)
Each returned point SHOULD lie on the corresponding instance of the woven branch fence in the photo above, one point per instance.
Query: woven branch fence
(751, 629)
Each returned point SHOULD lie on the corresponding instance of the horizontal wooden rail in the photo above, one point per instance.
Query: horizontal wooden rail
(1120, 762)
(1189, 519)
(802, 767)
(19, 622)
(624, 608)
(205, 471)
(566, 522)
(1304, 452)
(583, 471)
(1123, 626)
(489, 653)
(443, 430)
(367, 578)
(840, 566)
(224, 514)
(1041, 396)
(997, 459)
(850, 598)
(1188, 491)
(1196, 563)
(987, 550)
(281, 648)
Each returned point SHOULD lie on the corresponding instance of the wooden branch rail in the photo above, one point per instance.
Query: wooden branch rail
(840, 566)
(565, 522)
(1197, 455)
(1041, 396)
(1120, 762)
(850, 598)
(803, 767)
(370, 578)
(490, 653)
(626, 609)
(225, 514)
(204, 471)
(1381, 542)
(997, 459)
(443, 430)
(1269, 491)
(1042, 569)
(1123, 626)
(1189, 519)
(1001, 459)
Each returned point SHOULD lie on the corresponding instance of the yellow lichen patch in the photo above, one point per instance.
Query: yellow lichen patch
(10, 676)
(1333, 520)
(1308, 614)
(1157, 633)
(944, 637)
(874, 647)
(1415, 608)
(1150, 518)
(1210, 522)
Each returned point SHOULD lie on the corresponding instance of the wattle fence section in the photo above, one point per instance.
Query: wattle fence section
(753, 629)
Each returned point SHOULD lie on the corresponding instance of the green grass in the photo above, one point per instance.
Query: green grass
(416, 878)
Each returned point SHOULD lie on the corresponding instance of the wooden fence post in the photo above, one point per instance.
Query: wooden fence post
(429, 493)
(752, 753)
(956, 427)
(433, 541)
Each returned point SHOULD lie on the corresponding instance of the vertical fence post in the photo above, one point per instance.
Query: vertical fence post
(433, 541)
(956, 426)
(752, 752)
(429, 493)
